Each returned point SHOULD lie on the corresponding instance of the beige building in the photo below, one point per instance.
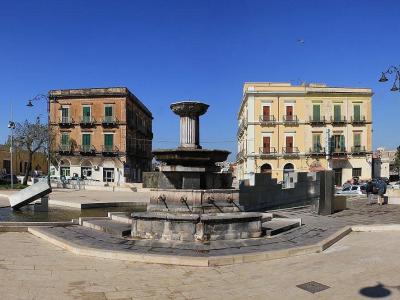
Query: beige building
(284, 128)
(101, 134)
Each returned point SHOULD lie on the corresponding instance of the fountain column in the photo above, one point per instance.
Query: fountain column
(189, 113)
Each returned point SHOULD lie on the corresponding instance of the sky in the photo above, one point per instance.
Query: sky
(204, 50)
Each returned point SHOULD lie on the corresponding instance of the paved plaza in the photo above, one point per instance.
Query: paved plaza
(31, 268)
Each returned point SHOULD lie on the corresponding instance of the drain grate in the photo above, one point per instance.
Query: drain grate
(313, 287)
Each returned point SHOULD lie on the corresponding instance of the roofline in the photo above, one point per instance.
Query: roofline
(98, 92)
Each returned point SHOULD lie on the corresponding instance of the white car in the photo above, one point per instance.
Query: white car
(353, 190)
(394, 185)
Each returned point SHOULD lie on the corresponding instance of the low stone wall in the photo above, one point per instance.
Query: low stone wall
(268, 194)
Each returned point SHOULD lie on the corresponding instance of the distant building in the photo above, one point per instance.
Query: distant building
(20, 161)
(284, 128)
(383, 165)
(101, 134)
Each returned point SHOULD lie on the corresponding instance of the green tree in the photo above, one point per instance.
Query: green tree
(397, 161)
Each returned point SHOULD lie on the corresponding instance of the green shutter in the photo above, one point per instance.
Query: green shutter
(108, 111)
(86, 139)
(337, 113)
(316, 142)
(342, 143)
(357, 112)
(357, 140)
(108, 140)
(316, 112)
(86, 111)
(64, 139)
(65, 112)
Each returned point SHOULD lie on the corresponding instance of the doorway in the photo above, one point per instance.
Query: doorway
(338, 176)
(108, 174)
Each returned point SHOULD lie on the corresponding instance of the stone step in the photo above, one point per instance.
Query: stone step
(120, 217)
(279, 225)
(107, 225)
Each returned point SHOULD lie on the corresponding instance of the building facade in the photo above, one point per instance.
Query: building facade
(284, 128)
(384, 164)
(100, 134)
(20, 161)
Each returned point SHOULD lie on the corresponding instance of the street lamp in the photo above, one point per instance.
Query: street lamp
(396, 83)
(49, 100)
(11, 126)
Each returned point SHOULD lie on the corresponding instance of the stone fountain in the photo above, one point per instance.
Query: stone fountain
(193, 200)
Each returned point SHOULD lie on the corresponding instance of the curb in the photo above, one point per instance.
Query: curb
(210, 261)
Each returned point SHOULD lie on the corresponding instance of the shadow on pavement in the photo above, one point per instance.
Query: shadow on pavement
(378, 291)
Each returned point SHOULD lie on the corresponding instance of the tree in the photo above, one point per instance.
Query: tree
(397, 161)
(32, 137)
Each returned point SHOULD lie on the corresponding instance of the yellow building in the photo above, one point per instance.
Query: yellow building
(285, 128)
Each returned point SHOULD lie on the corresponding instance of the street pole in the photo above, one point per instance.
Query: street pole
(11, 125)
(48, 141)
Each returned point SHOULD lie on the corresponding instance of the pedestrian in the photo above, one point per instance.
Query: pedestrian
(369, 189)
(381, 191)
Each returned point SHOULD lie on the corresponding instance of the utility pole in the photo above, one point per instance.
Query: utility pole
(11, 125)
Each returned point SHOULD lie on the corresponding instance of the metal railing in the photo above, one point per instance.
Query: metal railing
(109, 120)
(317, 120)
(267, 119)
(317, 150)
(109, 149)
(268, 151)
(87, 120)
(290, 150)
(241, 128)
(358, 149)
(87, 149)
(65, 121)
(65, 148)
(358, 120)
(341, 120)
(339, 151)
(290, 119)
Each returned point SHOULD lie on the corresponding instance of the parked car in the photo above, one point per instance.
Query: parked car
(353, 190)
(6, 179)
(394, 185)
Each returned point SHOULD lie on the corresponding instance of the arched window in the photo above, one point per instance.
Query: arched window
(266, 168)
(288, 168)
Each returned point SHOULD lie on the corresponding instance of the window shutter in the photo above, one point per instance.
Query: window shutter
(316, 112)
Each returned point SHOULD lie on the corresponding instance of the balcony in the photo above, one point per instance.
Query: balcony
(87, 121)
(87, 150)
(267, 120)
(338, 121)
(109, 150)
(290, 151)
(317, 151)
(241, 128)
(65, 122)
(109, 121)
(340, 151)
(240, 156)
(317, 121)
(268, 152)
(358, 120)
(358, 150)
(65, 149)
(290, 120)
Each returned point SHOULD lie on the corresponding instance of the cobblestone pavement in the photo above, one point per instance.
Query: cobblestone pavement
(31, 268)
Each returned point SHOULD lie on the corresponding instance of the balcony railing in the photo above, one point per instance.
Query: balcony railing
(317, 150)
(87, 149)
(87, 121)
(240, 156)
(290, 119)
(241, 128)
(268, 151)
(65, 149)
(359, 120)
(358, 150)
(109, 149)
(66, 121)
(267, 119)
(339, 151)
(109, 121)
(338, 121)
(290, 151)
(317, 120)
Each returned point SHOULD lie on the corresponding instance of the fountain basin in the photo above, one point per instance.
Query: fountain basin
(190, 157)
(196, 227)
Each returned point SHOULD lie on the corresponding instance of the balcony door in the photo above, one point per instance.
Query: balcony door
(266, 113)
(86, 113)
(289, 113)
(338, 143)
(316, 142)
(64, 114)
(86, 141)
(108, 113)
(316, 113)
(266, 144)
(337, 113)
(108, 142)
(289, 144)
(357, 112)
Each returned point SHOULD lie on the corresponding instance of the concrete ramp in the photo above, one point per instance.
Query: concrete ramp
(29, 194)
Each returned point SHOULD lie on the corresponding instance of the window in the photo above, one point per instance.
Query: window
(338, 143)
(65, 114)
(86, 172)
(65, 172)
(108, 141)
(64, 138)
(316, 142)
(354, 188)
(108, 113)
(86, 143)
(356, 172)
(289, 113)
(337, 113)
(357, 139)
(86, 114)
(316, 112)
(7, 166)
(357, 112)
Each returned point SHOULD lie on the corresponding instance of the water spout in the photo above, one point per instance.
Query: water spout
(163, 199)
(184, 200)
(211, 200)
(230, 200)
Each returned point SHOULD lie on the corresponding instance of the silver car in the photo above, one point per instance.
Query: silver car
(353, 190)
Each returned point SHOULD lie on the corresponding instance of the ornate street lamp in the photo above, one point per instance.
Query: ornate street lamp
(48, 99)
(396, 83)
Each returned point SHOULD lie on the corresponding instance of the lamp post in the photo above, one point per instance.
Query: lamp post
(48, 99)
(396, 83)
(11, 125)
